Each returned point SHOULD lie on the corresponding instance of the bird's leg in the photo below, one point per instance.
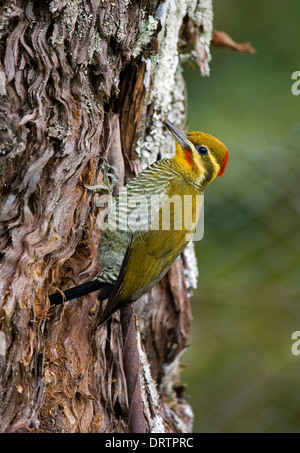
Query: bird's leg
(109, 179)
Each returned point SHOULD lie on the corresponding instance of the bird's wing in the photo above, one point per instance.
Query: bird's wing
(150, 258)
(153, 251)
(146, 261)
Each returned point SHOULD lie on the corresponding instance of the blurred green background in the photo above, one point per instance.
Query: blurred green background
(241, 374)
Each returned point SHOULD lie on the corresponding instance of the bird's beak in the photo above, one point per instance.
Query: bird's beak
(179, 135)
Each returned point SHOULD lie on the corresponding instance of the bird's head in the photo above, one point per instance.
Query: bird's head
(200, 157)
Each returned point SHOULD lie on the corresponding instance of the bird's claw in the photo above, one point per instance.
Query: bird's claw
(109, 179)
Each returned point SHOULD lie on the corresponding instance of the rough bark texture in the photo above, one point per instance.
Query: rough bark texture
(80, 80)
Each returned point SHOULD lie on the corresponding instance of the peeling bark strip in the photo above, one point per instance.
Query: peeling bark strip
(222, 39)
(79, 80)
(131, 364)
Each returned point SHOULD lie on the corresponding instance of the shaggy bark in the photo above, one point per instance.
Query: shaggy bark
(80, 80)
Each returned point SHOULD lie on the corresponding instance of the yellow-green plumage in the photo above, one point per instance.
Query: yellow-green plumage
(153, 252)
(135, 259)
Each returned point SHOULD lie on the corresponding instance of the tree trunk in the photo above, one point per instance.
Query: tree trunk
(80, 80)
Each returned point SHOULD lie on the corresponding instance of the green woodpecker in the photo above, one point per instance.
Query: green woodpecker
(134, 254)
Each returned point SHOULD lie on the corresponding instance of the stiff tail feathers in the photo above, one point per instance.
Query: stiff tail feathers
(81, 290)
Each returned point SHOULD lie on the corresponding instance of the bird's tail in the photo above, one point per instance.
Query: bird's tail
(108, 312)
(81, 290)
(113, 304)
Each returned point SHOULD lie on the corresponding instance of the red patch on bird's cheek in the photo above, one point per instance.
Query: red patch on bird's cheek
(223, 166)
(188, 156)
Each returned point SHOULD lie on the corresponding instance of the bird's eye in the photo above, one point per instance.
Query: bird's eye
(202, 150)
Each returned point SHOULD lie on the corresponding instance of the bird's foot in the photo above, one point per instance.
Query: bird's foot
(110, 179)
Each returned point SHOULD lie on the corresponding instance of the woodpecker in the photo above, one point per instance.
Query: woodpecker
(135, 255)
